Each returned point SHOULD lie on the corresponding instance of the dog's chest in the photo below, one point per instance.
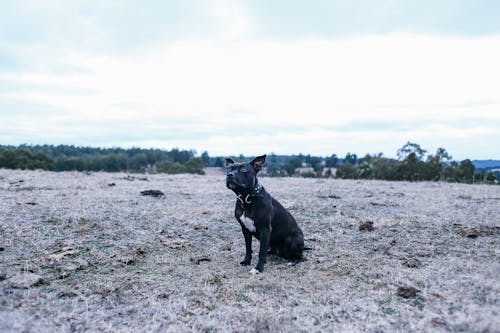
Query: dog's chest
(248, 222)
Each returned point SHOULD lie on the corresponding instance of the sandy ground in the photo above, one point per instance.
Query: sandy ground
(88, 252)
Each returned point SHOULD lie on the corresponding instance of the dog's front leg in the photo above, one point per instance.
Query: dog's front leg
(248, 246)
(265, 236)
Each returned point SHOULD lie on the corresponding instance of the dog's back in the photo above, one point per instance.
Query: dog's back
(287, 238)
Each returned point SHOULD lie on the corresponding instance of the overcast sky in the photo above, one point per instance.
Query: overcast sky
(253, 77)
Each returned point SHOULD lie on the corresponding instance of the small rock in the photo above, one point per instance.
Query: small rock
(412, 263)
(163, 295)
(407, 292)
(200, 227)
(66, 293)
(154, 193)
(26, 280)
(366, 226)
(218, 279)
(3, 276)
(198, 260)
(330, 196)
(111, 184)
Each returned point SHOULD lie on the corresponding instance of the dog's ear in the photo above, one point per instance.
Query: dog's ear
(229, 162)
(257, 162)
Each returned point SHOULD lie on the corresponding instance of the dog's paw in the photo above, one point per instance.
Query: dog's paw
(254, 271)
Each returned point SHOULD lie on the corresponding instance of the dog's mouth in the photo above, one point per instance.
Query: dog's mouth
(231, 184)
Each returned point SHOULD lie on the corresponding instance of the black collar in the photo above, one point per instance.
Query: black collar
(252, 196)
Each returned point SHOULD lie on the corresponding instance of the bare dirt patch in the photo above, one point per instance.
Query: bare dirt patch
(77, 254)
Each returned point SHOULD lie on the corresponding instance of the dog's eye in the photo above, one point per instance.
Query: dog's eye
(244, 170)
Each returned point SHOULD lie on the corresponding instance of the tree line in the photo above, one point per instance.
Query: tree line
(72, 158)
(413, 163)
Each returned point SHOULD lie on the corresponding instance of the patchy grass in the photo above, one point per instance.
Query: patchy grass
(79, 255)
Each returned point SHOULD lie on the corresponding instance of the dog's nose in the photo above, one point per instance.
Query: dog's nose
(230, 174)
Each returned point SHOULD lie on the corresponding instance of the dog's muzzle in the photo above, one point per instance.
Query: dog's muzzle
(230, 183)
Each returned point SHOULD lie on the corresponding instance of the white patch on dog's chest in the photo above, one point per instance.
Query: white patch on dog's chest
(248, 222)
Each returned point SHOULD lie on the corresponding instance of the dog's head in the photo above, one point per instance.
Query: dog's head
(242, 177)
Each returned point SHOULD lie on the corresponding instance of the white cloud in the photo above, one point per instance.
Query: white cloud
(306, 89)
(233, 17)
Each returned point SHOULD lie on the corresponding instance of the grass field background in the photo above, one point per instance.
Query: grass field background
(88, 252)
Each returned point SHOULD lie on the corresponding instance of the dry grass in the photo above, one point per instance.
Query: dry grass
(77, 254)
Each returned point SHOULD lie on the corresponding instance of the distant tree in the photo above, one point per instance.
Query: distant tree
(291, 165)
(219, 162)
(110, 163)
(138, 162)
(71, 164)
(412, 167)
(490, 178)
(411, 149)
(332, 161)
(467, 169)
(366, 167)
(452, 172)
(205, 158)
(385, 168)
(347, 171)
(7, 158)
(180, 156)
(316, 164)
(350, 158)
(478, 177)
(272, 166)
(436, 164)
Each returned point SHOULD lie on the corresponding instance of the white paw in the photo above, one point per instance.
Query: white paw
(254, 271)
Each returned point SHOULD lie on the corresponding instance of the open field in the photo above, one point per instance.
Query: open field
(88, 252)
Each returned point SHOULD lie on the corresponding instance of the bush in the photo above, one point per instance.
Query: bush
(170, 167)
(195, 165)
(347, 171)
(24, 159)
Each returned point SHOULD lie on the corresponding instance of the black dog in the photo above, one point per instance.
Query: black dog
(262, 216)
